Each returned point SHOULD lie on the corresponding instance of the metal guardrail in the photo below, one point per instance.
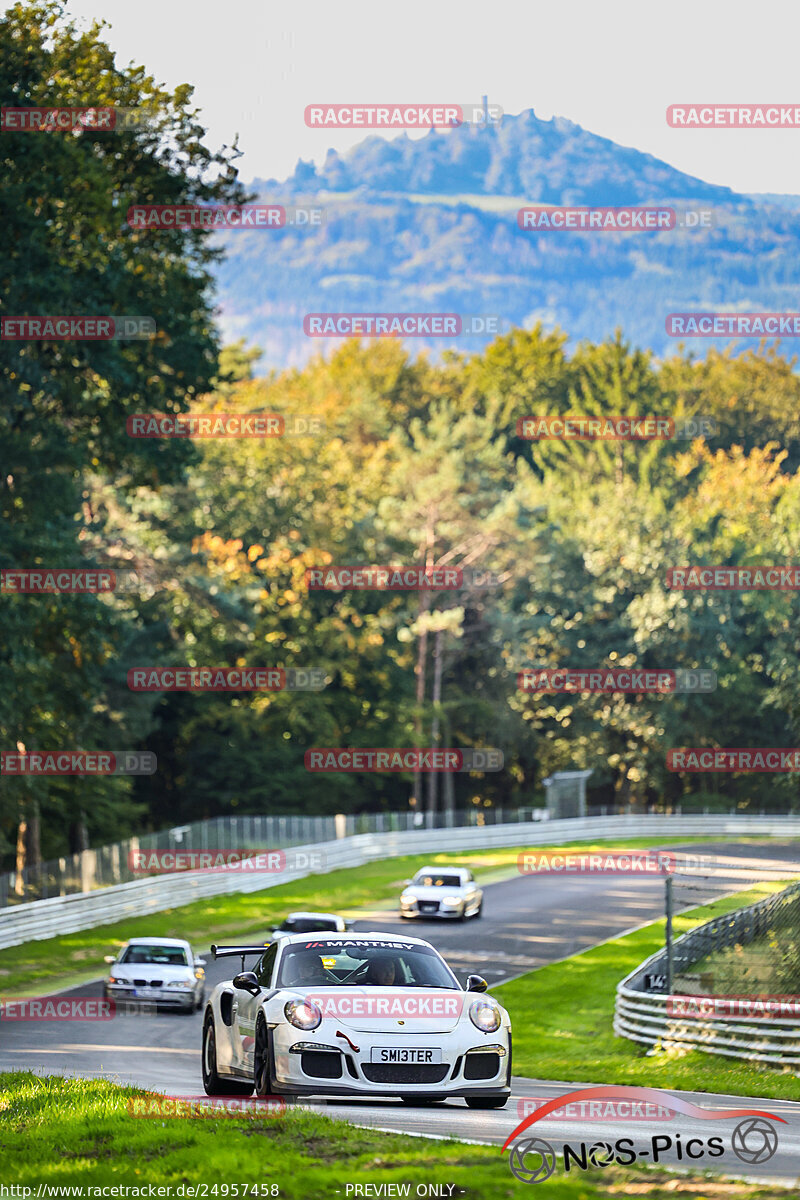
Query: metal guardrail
(642, 1015)
(107, 866)
(68, 914)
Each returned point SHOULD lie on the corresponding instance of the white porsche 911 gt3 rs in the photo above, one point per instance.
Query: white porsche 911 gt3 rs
(362, 1014)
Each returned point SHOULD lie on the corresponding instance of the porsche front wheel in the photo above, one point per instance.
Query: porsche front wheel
(262, 1065)
(213, 1083)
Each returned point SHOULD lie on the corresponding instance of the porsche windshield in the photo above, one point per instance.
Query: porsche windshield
(376, 964)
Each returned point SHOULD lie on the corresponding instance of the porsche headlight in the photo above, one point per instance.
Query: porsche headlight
(303, 1014)
(484, 1015)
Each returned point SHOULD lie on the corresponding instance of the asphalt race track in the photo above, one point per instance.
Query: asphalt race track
(527, 921)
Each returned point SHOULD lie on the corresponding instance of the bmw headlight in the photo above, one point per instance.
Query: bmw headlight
(182, 983)
(303, 1014)
(484, 1015)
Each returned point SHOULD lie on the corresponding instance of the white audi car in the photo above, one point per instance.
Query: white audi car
(449, 892)
(360, 1014)
(164, 971)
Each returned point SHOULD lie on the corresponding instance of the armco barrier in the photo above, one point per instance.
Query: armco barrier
(109, 865)
(85, 910)
(642, 1016)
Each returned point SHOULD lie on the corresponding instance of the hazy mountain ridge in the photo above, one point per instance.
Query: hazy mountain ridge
(422, 225)
(549, 162)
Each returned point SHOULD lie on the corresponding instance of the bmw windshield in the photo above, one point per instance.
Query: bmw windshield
(161, 956)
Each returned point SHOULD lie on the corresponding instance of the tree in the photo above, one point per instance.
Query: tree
(69, 251)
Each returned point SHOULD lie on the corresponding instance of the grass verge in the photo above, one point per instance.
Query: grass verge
(78, 1133)
(77, 957)
(562, 1018)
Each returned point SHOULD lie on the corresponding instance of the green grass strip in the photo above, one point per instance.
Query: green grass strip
(79, 1133)
(562, 1020)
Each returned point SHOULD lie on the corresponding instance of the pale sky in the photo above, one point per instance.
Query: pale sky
(612, 67)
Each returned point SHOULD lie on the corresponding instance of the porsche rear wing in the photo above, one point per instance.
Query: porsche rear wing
(237, 951)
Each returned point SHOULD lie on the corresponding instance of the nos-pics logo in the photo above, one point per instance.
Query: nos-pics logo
(533, 1159)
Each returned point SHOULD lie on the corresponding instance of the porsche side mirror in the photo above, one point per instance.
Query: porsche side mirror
(475, 983)
(109, 958)
(247, 982)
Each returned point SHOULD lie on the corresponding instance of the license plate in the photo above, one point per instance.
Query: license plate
(405, 1054)
(149, 992)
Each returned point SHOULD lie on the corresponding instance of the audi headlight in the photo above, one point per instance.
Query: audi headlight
(484, 1015)
(451, 900)
(408, 898)
(303, 1014)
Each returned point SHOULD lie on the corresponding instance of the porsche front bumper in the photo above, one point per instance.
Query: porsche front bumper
(468, 1067)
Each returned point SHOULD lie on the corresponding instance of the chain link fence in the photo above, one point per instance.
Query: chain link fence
(109, 865)
(754, 951)
(729, 987)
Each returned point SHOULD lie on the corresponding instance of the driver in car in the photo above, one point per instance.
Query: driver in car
(304, 970)
(382, 971)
